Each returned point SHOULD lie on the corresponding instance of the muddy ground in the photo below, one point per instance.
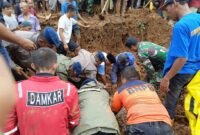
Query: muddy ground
(109, 35)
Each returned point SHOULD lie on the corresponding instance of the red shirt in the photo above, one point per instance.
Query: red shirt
(32, 11)
(45, 106)
(195, 3)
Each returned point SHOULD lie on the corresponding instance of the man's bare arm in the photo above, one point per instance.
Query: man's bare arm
(61, 31)
(82, 19)
(103, 78)
(82, 25)
(7, 35)
(7, 96)
(178, 64)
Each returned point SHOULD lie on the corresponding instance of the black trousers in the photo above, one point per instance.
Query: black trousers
(101, 133)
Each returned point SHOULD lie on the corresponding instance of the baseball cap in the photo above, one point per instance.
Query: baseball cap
(122, 59)
(100, 56)
(26, 24)
(131, 41)
(6, 4)
(76, 67)
(167, 2)
(72, 46)
(51, 36)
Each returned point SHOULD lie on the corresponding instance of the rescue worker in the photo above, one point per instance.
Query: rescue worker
(85, 58)
(96, 115)
(63, 66)
(22, 57)
(75, 76)
(122, 60)
(183, 59)
(152, 57)
(7, 35)
(100, 58)
(146, 114)
(45, 104)
(110, 59)
(4, 32)
(47, 38)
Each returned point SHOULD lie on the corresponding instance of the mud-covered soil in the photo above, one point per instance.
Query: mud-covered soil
(110, 34)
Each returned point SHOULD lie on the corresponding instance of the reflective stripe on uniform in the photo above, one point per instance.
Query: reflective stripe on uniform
(72, 122)
(11, 131)
(68, 89)
(20, 90)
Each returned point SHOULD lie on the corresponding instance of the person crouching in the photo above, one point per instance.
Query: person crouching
(96, 115)
(145, 113)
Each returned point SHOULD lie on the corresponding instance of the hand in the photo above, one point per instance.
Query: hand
(27, 44)
(65, 47)
(164, 84)
(48, 17)
(107, 86)
(114, 87)
(18, 28)
(30, 72)
(18, 70)
(87, 26)
(86, 22)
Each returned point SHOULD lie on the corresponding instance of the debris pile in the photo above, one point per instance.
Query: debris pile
(110, 34)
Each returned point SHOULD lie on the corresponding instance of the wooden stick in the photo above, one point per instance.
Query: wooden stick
(147, 4)
(105, 5)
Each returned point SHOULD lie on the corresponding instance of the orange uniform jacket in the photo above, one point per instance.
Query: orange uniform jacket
(141, 102)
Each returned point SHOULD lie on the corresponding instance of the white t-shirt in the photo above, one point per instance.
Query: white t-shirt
(66, 24)
(10, 21)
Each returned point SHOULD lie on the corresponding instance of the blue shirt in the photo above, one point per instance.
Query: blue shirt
(101, 69)
(185, 43)
(64, 7)
(5, 54)
(33, 20)
(117, 67)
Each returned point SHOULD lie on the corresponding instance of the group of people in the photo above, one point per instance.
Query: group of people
(26, 19)
(76, 101)
(79, 104)
(20, 9)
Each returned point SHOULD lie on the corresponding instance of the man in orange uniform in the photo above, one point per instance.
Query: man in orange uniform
(145, 113)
